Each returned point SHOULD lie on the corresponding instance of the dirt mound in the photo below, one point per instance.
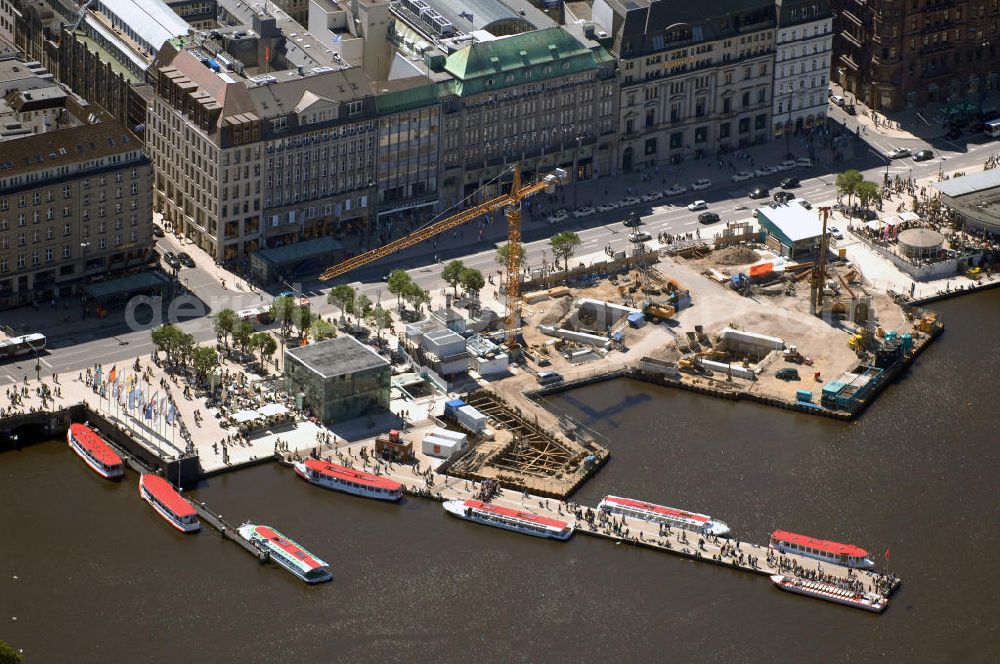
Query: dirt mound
(735, 256)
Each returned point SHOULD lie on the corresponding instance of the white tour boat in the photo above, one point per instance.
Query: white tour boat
(671, 516)
(846, 555)
(341, 478)
(510, 519)
(860, 600)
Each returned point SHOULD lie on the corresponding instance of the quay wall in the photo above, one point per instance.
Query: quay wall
(947, 295)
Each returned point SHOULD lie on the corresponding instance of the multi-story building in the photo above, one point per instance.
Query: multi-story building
(245, 162)
(199, 14)
(74, 204)
(695, 79)
(894, 54)
(8, 17)
(803, 47)
(543, 99)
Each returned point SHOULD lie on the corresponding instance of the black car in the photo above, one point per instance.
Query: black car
(953, 133)
(923, 155)
(782, 197)
(632, 219)
(185, 259)
(708, 217)
(850, 110)
(759, 192)
(789, 183)
(170, 258)
(157, 231)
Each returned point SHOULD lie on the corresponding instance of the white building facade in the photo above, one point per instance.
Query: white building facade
(803, 48)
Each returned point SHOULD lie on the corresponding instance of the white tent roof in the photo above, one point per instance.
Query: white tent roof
(272, 409)
(246, 415)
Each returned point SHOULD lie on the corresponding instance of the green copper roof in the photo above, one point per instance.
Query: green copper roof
(406, 100)
(515, 60)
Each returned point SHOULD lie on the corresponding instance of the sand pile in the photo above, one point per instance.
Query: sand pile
(735, 256)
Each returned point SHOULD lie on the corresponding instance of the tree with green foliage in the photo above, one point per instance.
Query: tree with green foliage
(8, 655)
(362, 307)
(380, 319)
(416, 296)
(504, 250)
(264, 344)
(224, 321)
(399, 281)
(848, 183)
(868, 193)
(205, 361)
(472, 281)
(283, 310)
(452, 274)
(164, 340)
(564, 245)
(241, 335)
(320, 329)
(184, 348)
(342, 296)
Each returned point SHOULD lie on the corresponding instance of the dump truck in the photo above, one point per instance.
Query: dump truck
(656, 312)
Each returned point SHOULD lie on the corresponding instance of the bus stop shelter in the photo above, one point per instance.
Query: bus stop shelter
(269, 265)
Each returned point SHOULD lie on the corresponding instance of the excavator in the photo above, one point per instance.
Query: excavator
(511, 203)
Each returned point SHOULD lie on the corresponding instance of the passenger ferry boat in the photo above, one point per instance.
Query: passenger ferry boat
(341, 478)
(675, 518)
(836, 553)
(860, 600)
(169, 504)
(287, 553)
(95, 451)
(511, 519)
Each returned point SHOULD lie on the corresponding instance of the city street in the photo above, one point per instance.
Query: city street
(73, 347)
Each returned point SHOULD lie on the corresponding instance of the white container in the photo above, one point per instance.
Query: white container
(471, 418)
(448, 434)
(442, 448)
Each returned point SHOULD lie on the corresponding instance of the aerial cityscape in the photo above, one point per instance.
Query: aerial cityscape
(687, 315)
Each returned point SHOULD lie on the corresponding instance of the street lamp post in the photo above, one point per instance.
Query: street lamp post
(576, 167)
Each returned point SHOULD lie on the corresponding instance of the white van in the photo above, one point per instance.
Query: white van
(549, 377)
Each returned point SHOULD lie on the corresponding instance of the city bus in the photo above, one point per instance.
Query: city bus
(28, 343)
(992, 128)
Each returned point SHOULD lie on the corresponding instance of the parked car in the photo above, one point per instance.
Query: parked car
(708, 217)
(701, 184)
(790, 183)
(899, 153)
(698, 205)
(639, 236)
(803, 202)
(765, 171)
(580, 213)
(804, 161)
(759, 192)
(787, 165)
(923, 155)
(651, 196)
(628, 201)
(838, 100)
(850, 110)
(557, 217)
(742, 176)
(788, 373)
(549, 377)
(675, 190)
(157, 231)
(835, 232)
(607, 207)
(170, 258)
(185, 259)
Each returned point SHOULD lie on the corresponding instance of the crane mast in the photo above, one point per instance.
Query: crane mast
(511, 204)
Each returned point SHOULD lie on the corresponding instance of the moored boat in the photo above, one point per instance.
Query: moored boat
(168, 503)
(287, 553)
(671, 516)
(93, 449)
(860, 600)
(828, 551)
(510, 519)
(341, 478)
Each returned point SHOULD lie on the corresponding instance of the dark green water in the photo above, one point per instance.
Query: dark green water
(101, 578)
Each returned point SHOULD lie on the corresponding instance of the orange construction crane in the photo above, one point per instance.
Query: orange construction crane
(511, 202)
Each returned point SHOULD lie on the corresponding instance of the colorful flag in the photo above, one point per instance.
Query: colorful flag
(113, 373)
(886, 556)
(170, 415)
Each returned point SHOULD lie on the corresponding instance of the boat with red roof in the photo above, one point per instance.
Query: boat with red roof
(341, 478)
(168, 503)
(95, 451)
(836, 553)
(287, 553)
(671, 516)
(510, 519)
(827, 591)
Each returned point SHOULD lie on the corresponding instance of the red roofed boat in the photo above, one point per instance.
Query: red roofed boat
(287, 553)
(846, 555)
(637, 509)
(95, 451)
(831, 593)
(341, 478)
(510, 519)
(169, 504)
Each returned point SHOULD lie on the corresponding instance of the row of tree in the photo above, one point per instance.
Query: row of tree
(359, 305)
(180, 350)
(852, 183)
(455, 273)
